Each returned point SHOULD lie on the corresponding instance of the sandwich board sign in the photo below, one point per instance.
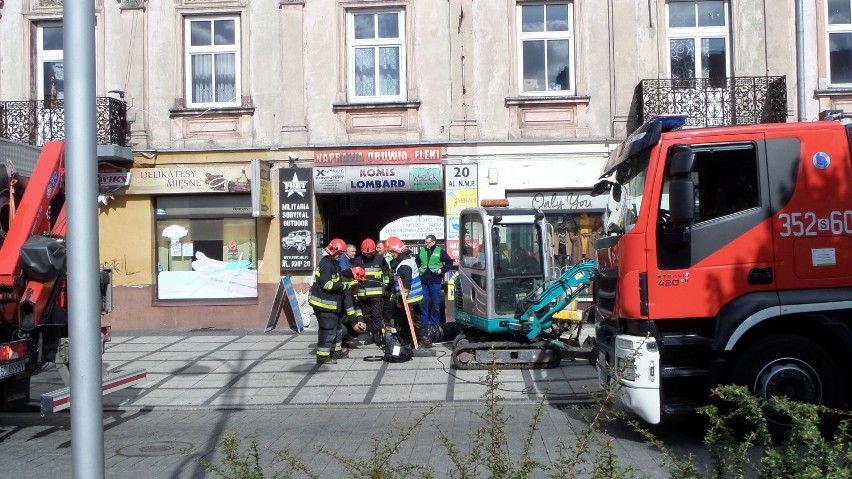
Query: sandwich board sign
(286, 301)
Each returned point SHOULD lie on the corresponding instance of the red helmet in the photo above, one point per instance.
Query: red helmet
(358, 273)
(395, 245)
(337, 245)
(368, 246)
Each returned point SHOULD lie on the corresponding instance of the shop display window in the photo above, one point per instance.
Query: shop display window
(206, 248)
(575, 238)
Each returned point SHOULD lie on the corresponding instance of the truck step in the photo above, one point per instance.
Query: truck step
(60, 399)
(682, 372)
(685, 342)
(680, 408)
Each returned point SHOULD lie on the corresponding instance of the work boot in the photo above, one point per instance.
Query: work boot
(425, 342)
(342, 354)
(326, 360)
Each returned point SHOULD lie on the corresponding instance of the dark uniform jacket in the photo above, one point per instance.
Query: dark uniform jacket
(326, 291)
(377, 274)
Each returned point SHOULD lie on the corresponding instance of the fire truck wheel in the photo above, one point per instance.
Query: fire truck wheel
(792, 366)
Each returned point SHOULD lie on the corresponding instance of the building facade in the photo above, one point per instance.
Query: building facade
(262, 129)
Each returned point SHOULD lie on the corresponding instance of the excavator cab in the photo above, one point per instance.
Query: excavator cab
(501, 263)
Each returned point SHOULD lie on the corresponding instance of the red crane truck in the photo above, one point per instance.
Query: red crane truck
(33, 284)
(726, 258)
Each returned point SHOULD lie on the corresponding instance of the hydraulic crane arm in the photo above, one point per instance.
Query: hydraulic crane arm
(554, 297)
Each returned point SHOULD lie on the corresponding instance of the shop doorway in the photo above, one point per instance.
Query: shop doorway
(353, 217)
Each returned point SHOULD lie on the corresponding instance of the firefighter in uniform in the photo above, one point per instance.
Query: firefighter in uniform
(405, 267)
(371, 293)
(326, 297)
(352, 321)
(387, 307)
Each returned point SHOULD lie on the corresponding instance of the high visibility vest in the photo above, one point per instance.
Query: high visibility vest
(415, 292)
(433, 263)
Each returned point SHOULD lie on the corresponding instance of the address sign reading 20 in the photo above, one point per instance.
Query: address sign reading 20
(808, 224)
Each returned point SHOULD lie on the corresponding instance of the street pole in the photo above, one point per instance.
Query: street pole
(81, 188)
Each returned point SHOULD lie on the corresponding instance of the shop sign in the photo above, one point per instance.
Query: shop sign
(261, 196)
(377, 179)
(414, 228)
(329, 180)
(461, 191)
(566, 200)
(379, 156)
(296, 219)
(190, 179)
(111, 178)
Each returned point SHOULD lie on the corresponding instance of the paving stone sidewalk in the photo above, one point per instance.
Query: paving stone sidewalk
(202, 384)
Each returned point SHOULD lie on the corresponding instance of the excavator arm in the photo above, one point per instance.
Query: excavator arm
(554, 297)
(475, 349)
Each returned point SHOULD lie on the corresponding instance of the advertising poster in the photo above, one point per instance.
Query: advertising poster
(297, 219)
(261, 191)
(462, 191)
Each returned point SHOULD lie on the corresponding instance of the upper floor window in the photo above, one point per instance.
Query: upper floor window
(376, 55)
(546, 43)
(49, 59)
(839, 30)
(698, 38)
(213, 61)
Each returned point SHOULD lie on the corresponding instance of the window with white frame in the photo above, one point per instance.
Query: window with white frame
(376, 55)
(49, 58)
(698, 38)
(839, 30)
(213, 61)
(546, 44)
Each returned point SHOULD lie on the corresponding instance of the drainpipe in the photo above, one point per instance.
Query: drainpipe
(800, 60)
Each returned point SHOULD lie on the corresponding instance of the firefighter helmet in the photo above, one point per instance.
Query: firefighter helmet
(368, 246)
(395, 245)
(358, 273)
(336, 245)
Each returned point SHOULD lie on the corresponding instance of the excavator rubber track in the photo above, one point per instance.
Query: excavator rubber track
(505, 352)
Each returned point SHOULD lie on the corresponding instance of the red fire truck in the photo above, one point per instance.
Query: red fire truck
(726, 258)
(33, 285)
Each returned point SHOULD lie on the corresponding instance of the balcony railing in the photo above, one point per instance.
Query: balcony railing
(716, 101)
(38, 122)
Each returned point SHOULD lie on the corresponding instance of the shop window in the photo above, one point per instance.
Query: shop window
(206, 248)
(376, 55)
(576, 234)
(212, 61)
(546, 48)
(839, 31)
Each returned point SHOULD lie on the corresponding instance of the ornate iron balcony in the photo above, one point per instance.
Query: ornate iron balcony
(716, 101)
(38, 122)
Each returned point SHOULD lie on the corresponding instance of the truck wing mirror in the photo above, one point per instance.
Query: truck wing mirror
(681, 201)
(683, 160)
(603, 186)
